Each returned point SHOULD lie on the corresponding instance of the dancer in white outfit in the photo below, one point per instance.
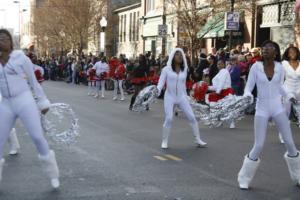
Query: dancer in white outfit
(291, 66)
(221, 84)
(268, 76)
(16, 71)
(102, 69)
(174, 76)
(13, 139)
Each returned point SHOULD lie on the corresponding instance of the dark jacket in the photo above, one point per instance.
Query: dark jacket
(203, 64)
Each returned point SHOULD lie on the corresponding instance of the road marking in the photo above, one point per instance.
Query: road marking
(173, 157)
(160, 158)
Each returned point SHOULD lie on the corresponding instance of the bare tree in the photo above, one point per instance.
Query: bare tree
(192, 15)
(68, 24)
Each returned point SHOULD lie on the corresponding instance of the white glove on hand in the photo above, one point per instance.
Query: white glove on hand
(249, 95)
(43, 104)
(211, 88)
(157, 92)
(0, 97)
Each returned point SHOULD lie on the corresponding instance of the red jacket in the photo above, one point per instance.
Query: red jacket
(120, 72)
(113, 64)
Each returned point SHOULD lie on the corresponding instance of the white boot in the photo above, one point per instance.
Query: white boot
(232, 125)
(102, 91)
(247, 172)
(280, 138)
(14, 142)
(97, 94)
(2, 161)
(165, 137)
(200, 143)
(293, 164)
(50, 167)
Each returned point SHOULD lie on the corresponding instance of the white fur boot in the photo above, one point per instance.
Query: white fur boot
(293, 164)
(200, 143)
(50, 167)
(13, 142)
(232, 125)
(165, 137)
(1, 167)
(247, 172)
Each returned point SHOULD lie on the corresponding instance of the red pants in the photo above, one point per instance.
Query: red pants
(214, 97)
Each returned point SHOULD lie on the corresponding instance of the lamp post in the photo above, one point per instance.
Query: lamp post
(63, 35)
(164, 37)
(103, 25)
(46, 46)
(20, 12)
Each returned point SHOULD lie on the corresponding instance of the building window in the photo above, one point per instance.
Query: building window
(124, 31)
(150, 5)
(130, 27)
(137, 26)
(121, 28)
(134, 26)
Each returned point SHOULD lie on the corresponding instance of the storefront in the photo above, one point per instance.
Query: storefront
(275, 21)
(216, 36)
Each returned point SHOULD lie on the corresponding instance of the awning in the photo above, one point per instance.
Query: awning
(213, 28)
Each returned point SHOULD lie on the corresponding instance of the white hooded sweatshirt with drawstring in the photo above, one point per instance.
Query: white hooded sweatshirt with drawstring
(17, 85)
(175, 94)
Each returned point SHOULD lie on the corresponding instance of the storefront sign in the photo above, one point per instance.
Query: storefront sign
(232, 21)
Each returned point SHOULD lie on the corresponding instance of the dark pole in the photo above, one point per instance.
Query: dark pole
(230, 33)
(164, 37)
(253, 7)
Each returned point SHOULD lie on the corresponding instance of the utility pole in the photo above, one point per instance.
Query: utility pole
(164, 37)
(253, 11)
(230, 33)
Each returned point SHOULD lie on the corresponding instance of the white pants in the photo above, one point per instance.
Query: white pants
(23, 107)
(183, 103)
(118, 84)
(288, 105)
(264, 112)
(91, 87)
(102, 85)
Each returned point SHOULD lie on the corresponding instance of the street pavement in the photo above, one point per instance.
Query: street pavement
(118, 157)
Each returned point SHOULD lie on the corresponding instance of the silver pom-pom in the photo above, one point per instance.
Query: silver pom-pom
(61, 124)
(297, 111)
(145, 97)
(226, 110)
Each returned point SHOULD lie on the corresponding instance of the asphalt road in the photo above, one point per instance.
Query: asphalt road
(118, 157)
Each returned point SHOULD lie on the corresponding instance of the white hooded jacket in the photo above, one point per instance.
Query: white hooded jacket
(292, 79)
(176, 83)
(101, 67)
(17, 76)
(266, 89)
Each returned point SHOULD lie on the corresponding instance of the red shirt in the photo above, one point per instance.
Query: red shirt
(120, 72)
(113, 64)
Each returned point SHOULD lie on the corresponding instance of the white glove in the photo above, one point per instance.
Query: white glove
(249, 95)
(43, 104)
(211, 88)
(157, 92)
(0, 97)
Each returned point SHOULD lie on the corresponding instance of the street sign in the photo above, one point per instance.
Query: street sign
(162, 30)
(232, 21)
